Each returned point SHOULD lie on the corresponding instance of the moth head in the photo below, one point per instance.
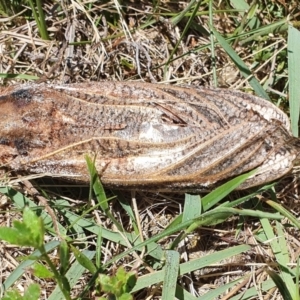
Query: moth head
(22, 111)
(24, 120)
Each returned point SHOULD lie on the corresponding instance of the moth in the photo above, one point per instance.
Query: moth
(144, 136)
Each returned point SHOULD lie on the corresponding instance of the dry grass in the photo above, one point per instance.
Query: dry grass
(101, 40)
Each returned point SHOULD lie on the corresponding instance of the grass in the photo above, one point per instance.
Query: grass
(88, 242)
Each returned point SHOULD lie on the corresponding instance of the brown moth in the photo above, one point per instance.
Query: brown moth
(144, 136)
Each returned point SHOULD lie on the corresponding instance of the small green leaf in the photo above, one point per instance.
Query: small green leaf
(119, 285)
(35, 225)
(12, 295)
(33, 292)
(127, 280)
(84, 260)
(125, 297)
(30, 232)
(74, 273)
(121, 274)
(130, 281)
(105, 283)
(126, 63)
(41, 271)
(252, 11)
(12, 236)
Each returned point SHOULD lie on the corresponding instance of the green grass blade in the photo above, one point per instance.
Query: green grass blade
(99, 192)
(175, 20)
(294, 77)
(284, 212)
(73, 275)
(128, 209)
(196, 264)
(252, 293)
(181, 293)
(220, 192)
(171, 274)
(279, 248)
(215, 293)
(20, 201)
(154, 239)
(212, 45)
(64, 257)
(280, 285)
(211, 199)
(34, 12)
(98, 248)
(273, 28)
(39, 18)
(153, 249)
(243, 5)
(247, 197)
(96, 184)
(192, 209)
(42, 21)
(220, 214)
(297, 277)
(187, 26)
(259, 90)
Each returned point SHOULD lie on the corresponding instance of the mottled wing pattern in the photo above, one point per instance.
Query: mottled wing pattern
(147, 136)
